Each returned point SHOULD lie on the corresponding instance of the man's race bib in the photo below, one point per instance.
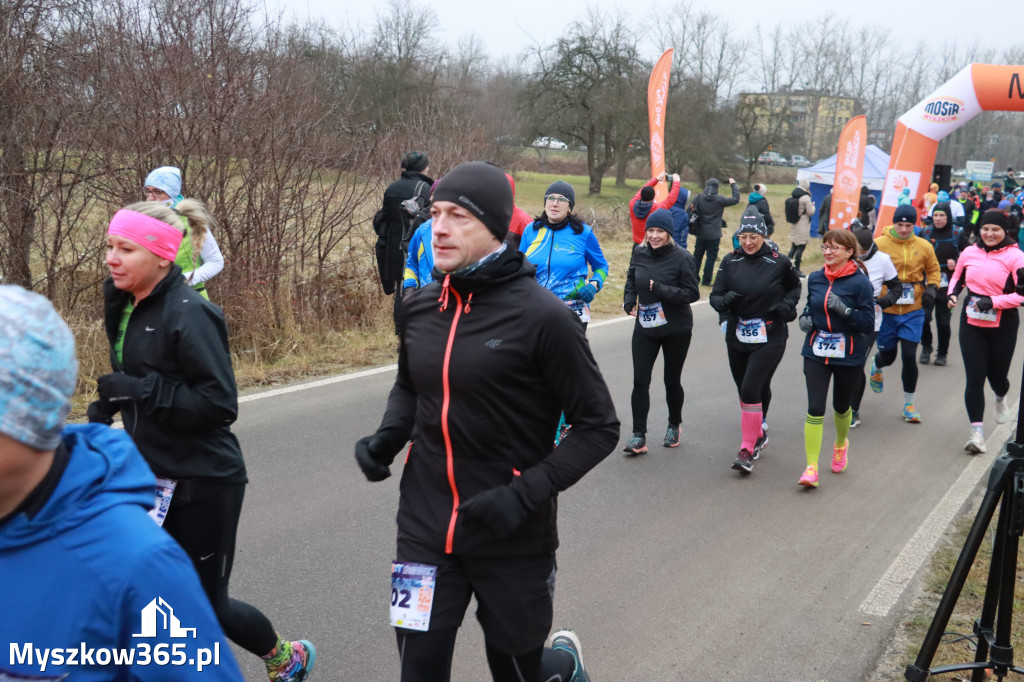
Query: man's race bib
(412, 595)
(164, 492)
(907, 297)
(829, 345)
(944, 280)
(752, 331)
(581, 309)
(975, 314)
(652, 315)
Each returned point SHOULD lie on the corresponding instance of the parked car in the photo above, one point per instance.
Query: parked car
(798, 161)
(771, 159)
(549, 143)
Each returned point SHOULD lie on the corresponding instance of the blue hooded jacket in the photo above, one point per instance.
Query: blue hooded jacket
(420, 263)
(681, 218)
(80, 573)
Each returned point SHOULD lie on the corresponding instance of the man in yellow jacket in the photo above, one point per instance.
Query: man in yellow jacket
(903, 319)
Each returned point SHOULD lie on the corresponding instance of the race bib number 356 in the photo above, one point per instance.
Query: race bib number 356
(412, 595)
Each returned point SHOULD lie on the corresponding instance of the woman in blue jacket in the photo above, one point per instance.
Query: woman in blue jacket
(565, 250)
(838, 320)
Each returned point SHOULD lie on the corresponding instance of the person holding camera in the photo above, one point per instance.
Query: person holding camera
(706, 224)
(643, 204)
(756, 290)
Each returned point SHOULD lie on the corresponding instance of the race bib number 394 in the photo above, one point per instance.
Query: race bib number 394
(412, 595)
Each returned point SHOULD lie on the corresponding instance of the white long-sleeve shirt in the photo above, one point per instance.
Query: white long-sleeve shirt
(212, 262)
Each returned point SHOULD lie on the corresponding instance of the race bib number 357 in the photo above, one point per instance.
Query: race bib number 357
(412, 595)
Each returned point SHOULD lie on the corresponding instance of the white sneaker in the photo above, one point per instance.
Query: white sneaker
(1002, 411)
(976, 443)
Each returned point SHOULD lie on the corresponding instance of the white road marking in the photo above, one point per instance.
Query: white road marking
(904, 567)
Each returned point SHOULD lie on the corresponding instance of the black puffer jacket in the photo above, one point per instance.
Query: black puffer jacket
(762, 280)
(676, 286)
(177, 342)
(486, 365)
(710, 206)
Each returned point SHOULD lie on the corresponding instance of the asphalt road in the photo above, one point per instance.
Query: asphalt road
(672, 566)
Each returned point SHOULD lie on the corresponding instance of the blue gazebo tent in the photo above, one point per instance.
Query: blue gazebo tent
(822, 176)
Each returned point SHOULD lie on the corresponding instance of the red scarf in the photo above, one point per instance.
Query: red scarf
(848, 268)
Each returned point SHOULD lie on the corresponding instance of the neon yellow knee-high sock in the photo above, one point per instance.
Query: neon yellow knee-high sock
(812, 438)
(842, 425)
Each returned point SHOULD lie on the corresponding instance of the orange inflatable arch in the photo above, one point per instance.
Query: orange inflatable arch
(977, 88)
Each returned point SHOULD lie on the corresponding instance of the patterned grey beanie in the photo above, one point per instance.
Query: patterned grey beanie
(38, 368)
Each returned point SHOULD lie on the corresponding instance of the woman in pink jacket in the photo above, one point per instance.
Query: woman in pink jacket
(986, 274)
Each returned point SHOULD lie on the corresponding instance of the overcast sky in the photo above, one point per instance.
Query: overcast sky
(505, 28)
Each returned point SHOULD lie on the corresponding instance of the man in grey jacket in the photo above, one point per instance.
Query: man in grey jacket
(708, 209)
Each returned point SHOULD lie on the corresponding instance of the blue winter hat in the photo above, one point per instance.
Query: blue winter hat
(167, 179)
(565, 189)
(661, 219)
(943, 197)
(38, 369)
(904, 214)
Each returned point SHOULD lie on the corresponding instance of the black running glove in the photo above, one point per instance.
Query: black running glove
(118, 388)
(101, 412)
(730, 298)
(1020, 281)
(983, 304)
(837, 305)
(784, 311)
(375, 453)
(889, 299)
(928, 297)
(500, 509)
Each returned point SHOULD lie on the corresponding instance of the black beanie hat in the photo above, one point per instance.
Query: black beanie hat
(483, 190)
(995, 217)
(646, 193)
(414, 161)
(752, 222)
(565, 189)
(661, 219)
(904, 214)
(943, 208)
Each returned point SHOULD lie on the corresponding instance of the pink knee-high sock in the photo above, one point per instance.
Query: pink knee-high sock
(750, 423)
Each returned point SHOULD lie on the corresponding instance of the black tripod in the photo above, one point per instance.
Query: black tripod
(1006, 483)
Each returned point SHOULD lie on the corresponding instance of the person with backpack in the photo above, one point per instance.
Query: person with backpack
(643, 204)
(759, 199)
(403, 210)
(949, 241)
(706, 224)
(799, 209)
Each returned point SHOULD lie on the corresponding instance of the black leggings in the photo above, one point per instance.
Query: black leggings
(987, 352)
(908, 350)
(943, 315)
(203, 518)
(796, 253)
(645, 352)
(427, 657)
(817, 375)
(702, 248)
(862, 379)
(753, 372)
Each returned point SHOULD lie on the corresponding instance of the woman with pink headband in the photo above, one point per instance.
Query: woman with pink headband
(175, 389)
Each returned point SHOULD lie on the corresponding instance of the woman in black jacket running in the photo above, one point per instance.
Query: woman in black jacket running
(758, 289)
(175, 389)
(660, 286)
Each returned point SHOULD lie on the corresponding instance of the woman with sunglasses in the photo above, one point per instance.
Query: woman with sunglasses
(838, 320)
(565, 251)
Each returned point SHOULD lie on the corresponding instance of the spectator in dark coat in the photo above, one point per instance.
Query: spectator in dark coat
(709, 208)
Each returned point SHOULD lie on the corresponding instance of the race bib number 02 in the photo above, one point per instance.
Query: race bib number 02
(581, 309)
(752, 331)
(829, 345)
(412, 595)
(652, 315)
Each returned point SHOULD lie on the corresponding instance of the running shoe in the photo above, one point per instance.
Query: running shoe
(810, 477)
(839, 457)
(744, 462)
(854, 419)
(1002, 411)
(940, 360)
(976, 443)
(671, 436)
(876, 376)
(761, 441)
(637, 445)
(926, 355)
(293, 664)
(567, 641)
(910, 414)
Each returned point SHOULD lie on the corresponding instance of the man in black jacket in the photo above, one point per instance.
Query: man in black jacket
(488, 360)
(709, 208)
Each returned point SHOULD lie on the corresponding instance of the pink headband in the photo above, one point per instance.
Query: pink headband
(149, 233)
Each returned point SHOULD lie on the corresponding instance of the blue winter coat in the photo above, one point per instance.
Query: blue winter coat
(681, 218)
(420, 262)
(856, 290)
(562, 257)
(80, 573)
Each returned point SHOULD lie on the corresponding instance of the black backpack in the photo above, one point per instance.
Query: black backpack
(792, 209)
(926, 233)
(394, 228)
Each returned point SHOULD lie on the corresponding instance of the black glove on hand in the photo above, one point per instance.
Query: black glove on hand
(1020, 281)
(730, 298)
(837, 305)
(374, 455)
(101, 412)
(118, 388)
(889, 299)
(983, 304)
(784, 311)
(806, 323)
(499, 509)
(928, 297)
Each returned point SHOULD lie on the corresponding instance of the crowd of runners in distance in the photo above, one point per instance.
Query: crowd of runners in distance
(491, 310)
